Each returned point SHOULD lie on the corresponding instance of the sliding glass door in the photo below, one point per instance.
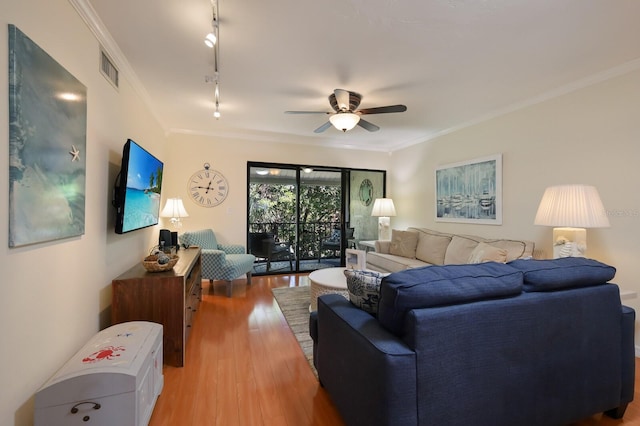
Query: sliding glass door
(272, 232)
(364, 187)
(320, 219)
(299, 216)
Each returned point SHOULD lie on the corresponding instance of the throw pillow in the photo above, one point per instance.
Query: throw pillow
(515, 249)
(459, 250)
(364, 289)
(487, 253)
(432, 248)
(403, 243)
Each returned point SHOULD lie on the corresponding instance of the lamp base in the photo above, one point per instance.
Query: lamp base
(384, 228)
(569, 242)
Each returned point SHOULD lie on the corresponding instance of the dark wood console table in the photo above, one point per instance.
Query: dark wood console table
(169, 298)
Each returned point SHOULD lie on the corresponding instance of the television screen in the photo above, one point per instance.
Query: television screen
(137, 194)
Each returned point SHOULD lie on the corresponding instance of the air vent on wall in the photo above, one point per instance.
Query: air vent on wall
(108, 69)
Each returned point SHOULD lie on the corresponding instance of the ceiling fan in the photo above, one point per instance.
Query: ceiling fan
(346, 115)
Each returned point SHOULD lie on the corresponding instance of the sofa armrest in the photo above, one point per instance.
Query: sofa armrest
(628, 354)
(313, 332)
(383, 246)
(369, 373)
(213, 255)
(232, 248)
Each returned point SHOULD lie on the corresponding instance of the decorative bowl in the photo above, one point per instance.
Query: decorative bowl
(151, 264)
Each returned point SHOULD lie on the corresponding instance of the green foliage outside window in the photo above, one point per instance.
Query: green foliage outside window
(272, 208)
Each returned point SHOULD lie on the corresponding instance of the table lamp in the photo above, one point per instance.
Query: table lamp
(570, 209)
(175, 210)
(383, 208)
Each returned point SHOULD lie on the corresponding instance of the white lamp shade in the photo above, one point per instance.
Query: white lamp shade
(344, 120)
(383, 207)
(576, 206)
(174, 209)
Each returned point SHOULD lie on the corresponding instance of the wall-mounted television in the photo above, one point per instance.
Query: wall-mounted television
(137, 189)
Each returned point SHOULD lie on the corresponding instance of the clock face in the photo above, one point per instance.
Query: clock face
(207, 188)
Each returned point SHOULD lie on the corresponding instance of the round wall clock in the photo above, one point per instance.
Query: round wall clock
(366, 192)
(207, 187)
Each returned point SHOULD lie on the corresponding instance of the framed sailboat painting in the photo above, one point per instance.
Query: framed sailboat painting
(470, 191)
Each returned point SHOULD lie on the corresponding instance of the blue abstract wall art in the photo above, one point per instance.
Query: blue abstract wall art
(47, 146)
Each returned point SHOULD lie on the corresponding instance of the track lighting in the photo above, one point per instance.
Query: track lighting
(216, 95)
(210, 40)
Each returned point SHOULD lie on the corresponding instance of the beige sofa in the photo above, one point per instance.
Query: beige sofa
(418, 247)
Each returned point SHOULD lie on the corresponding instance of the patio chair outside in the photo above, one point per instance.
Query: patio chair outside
(263, 245)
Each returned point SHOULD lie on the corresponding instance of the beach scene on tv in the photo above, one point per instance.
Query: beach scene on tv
(144, 184)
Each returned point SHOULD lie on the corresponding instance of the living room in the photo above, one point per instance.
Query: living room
(58, 294)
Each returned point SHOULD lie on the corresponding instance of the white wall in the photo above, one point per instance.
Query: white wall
(55, 295)
(188, 153)
(591, 136)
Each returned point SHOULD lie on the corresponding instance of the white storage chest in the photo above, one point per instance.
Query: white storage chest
(114, 379)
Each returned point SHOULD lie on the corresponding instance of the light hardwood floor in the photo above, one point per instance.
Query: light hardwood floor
(244, 367)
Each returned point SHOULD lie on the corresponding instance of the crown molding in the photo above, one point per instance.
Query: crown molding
(583, 83)
(99, 30)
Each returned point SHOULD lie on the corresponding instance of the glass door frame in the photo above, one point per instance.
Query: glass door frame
(347, 198)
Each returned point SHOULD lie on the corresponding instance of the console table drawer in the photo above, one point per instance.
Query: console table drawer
(169, 298)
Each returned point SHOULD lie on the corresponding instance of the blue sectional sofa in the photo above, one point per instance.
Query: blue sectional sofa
(531, 342)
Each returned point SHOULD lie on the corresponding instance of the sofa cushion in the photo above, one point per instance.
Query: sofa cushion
(433, 286)
(459, 250)
(432, 247)
(364, 288)
(403, 243)
(567, 272)
(391, 263)
(516, 249)
(487, 253)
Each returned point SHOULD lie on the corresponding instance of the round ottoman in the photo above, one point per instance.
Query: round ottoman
(327, 281)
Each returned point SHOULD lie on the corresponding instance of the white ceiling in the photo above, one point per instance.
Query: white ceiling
(451, 62)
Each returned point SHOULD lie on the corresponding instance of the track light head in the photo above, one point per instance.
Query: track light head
(210, 40)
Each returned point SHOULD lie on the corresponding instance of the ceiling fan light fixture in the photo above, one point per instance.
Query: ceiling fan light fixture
(344, 120)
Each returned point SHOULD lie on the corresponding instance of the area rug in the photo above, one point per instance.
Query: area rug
(294, 304)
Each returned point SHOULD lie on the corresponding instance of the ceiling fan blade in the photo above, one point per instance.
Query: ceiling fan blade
(342, 99)
(383, 110)
(307, 112)
(324, 127)
(368, 126)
